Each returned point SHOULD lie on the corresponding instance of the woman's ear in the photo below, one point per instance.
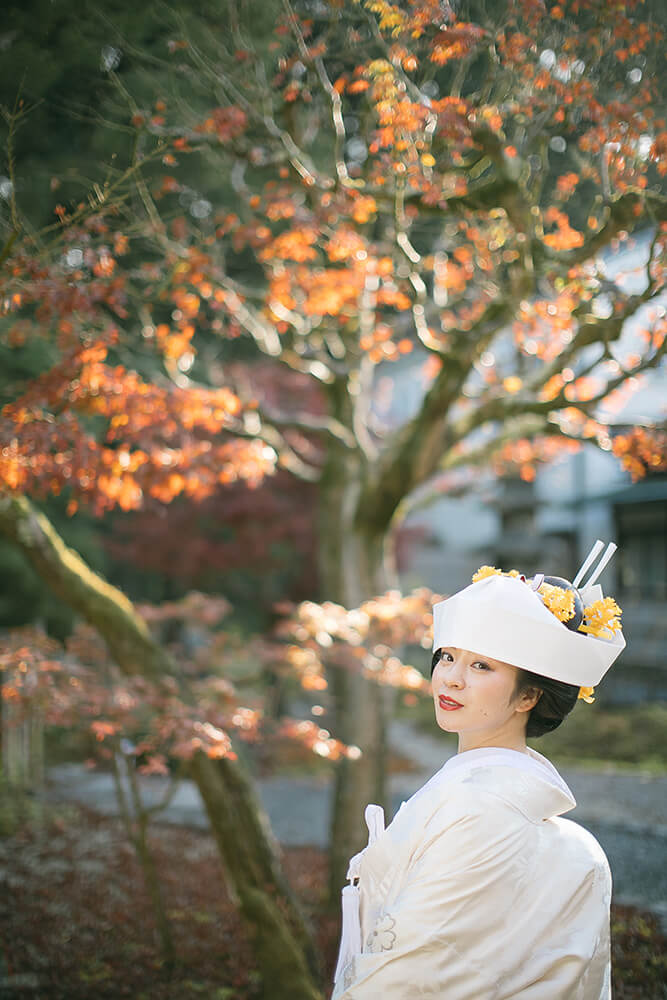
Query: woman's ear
(528, 699)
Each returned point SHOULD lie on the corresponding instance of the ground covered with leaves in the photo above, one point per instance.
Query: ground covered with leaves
(76, 922)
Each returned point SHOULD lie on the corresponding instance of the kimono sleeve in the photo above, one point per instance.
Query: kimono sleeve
(425, 938)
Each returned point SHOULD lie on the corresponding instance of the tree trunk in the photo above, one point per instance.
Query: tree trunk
(353, 568)
(22, 747)
(286, 955)
(135, 820)
(283, 944)
(362, 712)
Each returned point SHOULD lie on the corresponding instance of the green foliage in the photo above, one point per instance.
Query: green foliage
(633, 736)
(639, 959)
(75, 64)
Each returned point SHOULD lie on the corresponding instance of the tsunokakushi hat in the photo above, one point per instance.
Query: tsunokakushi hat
(566, 631)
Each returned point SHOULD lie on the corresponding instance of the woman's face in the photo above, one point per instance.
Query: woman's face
(475, 696)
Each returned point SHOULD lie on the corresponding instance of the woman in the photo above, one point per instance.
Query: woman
(478, 889)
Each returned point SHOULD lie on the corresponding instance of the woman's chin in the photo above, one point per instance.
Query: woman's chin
(448, 724)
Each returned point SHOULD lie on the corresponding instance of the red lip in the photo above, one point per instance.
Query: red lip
(448, 704)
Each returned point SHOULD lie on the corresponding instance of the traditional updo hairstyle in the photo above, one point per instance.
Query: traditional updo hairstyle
(554, 704)
(558, 698)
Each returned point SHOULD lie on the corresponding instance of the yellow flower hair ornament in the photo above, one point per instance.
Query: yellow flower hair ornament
(600, 619)
(559, 601)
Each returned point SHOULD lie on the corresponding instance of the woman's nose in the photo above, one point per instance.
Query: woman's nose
(452, 674)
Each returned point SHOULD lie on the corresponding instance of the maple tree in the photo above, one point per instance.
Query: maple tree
(257, 547)
(392, 179)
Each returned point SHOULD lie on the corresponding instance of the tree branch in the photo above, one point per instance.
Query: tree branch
(505, 408)
(301, 162)
(593, 330)
(527, 425)
(264, 334)
(106, 608)
(332, 94)
(621, 214)
(415, 452)
(253, 428)
(308, 423)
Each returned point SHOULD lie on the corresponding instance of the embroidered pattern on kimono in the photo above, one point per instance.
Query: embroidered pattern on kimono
(382, 937)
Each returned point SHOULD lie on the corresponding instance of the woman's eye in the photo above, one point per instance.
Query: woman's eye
(440, 654)
(481, 665)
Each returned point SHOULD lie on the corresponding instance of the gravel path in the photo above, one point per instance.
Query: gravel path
(627, 813)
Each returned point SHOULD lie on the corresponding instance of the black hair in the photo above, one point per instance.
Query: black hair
(555, 702)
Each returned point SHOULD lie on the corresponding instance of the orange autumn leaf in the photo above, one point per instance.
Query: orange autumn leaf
(358, 86)
(296, 245)
(512, 384)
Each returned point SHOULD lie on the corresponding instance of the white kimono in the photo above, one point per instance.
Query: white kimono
(478, 890)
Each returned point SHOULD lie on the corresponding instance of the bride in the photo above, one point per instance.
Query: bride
(478, 889)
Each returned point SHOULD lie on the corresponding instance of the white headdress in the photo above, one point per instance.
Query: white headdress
(566, 631)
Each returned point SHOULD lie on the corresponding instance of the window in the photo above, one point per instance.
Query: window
(642, 541)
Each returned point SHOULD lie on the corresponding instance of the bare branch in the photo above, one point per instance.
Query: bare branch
(251, 426)
(13, 119)
(416, 280)
(301, 162)
(644, 365)
(360, 380)
(504, 408)
(527, 425)
(309, 424)
(263, 333)
(173, 784)
(360, 387)
(332, 93)
(318, 369)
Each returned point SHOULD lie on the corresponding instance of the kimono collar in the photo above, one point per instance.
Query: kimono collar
(528, 780)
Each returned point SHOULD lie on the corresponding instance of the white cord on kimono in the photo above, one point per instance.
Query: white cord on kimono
(350, 937)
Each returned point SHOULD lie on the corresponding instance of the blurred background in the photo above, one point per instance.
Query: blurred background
(309, 311)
